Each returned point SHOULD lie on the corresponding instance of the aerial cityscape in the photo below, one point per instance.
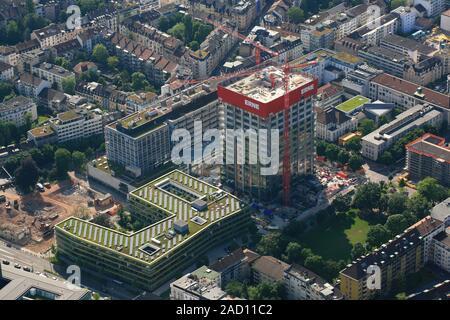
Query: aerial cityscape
(225, 150)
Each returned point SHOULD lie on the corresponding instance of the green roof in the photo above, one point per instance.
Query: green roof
(352, 104)
(220, 205)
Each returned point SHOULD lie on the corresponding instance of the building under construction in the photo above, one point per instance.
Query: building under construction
(259, 102)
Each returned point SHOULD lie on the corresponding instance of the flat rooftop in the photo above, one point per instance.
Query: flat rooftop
(353, 103)
(267, 85)
(173, 193)
(43, 131)
(21, 282)
(431, 146)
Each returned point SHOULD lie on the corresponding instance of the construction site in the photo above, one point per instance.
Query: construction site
(29, 220)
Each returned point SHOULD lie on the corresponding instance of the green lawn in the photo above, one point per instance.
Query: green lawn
(353, 103)
(336, 242)
(42, 119)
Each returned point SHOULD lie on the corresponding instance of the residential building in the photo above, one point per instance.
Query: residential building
(385, 59)
(16, 110)
(184, 217)
(70, 125)
(29, 85)
(372, 35)
(358, 81)
(6, 71)
(257, 103)
(328, 95)
(268, 269)
(405, 94)
(445, 20)
(54, 74)
(140, 101)
(408, 15)
(235, 266)
(28, 60)
(442, 250)
(440, 291)
(408, 47)
(433, 7)
(441, 212)
(53, 99)
(105, 95)
(303, 284)
(334, 123)
(18, 284)
(52, 35)
(202, 284)
(397, 258)
(428, 156)
(376, 142)
(8, 54)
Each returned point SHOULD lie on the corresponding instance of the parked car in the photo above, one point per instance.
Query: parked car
(17, 266)
(5, 262)
(28, 269)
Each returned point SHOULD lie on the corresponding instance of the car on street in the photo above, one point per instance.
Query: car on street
(25, 268)
(17, 266)
(5, 262)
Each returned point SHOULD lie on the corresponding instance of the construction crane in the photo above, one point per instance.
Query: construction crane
(287, 70)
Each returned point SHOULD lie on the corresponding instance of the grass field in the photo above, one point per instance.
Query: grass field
(353, 103)
(42, 119)
(336, 241)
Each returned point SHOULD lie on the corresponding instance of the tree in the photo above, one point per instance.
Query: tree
(27, 175)
(236, 289)
(355, 162)
(112, 62)
(296, 15)
(367, 126)
(102, 219)
(397, 203)
(386, 158)
(321, 148)
(78, 160)
(396, 224)
(270, 244)
(163, 24)
(354, 144)
(331, 152)
(194, 45)
(432, 190)
(343, 156)
(397, 3)
(418, 205)
(100, 53)
(68, 85)
(62, 161)
(367, 196)
(315, 263)
(266, 291)
(178, 31)
(358, 250)
(6, 89)
(342, 203)
(188, 28)
(138, 81)
(293, 252)
(377, 235)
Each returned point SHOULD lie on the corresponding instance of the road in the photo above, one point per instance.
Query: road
(25, 258)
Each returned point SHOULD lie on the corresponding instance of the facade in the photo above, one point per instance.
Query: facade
(184, 218)
(302, 284)
(70, 125)
(29, 85)
(142, 142)
(405, 94)
(252, 103)
(376, 142)
(202, 284)
(16, 109)
(428, 156)
(268, 269)
(445, 21)
(333, 123)
(400, 256)
(23, 285)
(54, 74)
(408, 17)
(52, 35)
(433, 7)
(6, 71)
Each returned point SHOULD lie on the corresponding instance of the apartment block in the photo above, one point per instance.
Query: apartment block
(52, 35)
(16, 110)
(189, 217)
(333, 123)
(70, 125)
(29, 85)
(400, 256)
(376, 142)
(303, 284)
(6, 71)
(428, 156)
(54, 74)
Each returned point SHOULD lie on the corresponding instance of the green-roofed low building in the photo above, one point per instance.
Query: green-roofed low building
(175, 236)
